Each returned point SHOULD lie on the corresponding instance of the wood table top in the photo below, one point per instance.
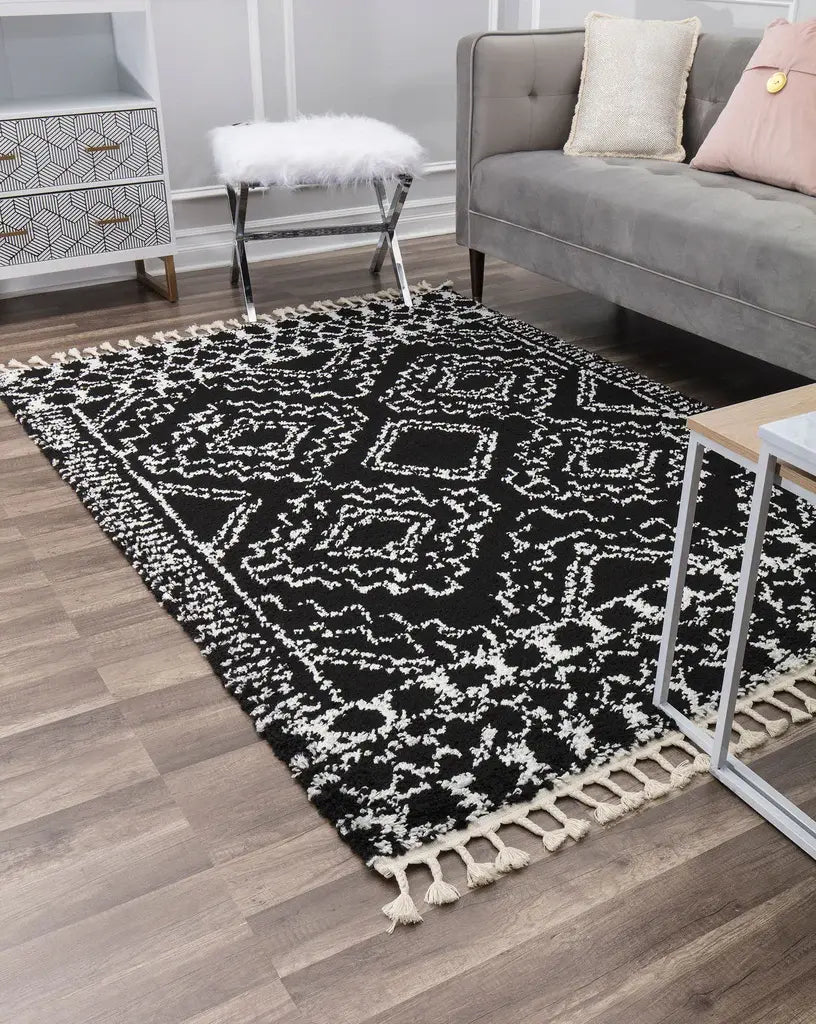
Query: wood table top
(736, 427)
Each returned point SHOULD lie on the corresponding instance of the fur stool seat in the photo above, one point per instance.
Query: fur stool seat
(326, 151)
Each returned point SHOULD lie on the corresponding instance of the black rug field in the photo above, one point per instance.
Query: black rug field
(427, 552)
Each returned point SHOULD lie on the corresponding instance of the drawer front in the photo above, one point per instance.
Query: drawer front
(75, 149)
(82, 222)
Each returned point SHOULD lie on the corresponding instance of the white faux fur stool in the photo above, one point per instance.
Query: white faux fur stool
(316, 151)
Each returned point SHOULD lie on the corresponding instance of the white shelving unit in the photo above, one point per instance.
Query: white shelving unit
(83, 171)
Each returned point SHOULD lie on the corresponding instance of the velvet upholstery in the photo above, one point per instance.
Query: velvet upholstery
(726, 258)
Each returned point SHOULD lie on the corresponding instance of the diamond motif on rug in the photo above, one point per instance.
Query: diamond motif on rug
(446, 451)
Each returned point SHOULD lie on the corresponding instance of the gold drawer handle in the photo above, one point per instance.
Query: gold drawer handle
(109, 147)
(14, 233)
(8, 156)
(112, 220)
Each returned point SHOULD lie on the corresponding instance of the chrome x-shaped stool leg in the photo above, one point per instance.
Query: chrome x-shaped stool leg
(240, 265)
(388, 239)
(386, 228)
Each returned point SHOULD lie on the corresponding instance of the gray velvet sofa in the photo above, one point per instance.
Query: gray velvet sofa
(729, 259)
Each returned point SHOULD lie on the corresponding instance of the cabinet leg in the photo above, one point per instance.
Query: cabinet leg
(168, 289)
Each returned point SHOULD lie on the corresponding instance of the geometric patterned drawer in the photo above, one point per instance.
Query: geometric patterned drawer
(59, 225)
(76, 149)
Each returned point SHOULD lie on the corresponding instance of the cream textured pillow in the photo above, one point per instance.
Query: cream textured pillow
(633, 88)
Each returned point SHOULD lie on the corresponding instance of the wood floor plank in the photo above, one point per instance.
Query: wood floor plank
(27, 704)
(64, 867)
(721, 970)
(280, 872)
(266, 1004)
(187, 723)
(158, 863)
(167, 955)
(239, 801)
(169, 662)
(67, 762)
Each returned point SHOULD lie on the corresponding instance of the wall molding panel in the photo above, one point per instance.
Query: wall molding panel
(255, 59)
(289, 50)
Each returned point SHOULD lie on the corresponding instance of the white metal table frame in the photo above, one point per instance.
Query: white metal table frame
(728, 769)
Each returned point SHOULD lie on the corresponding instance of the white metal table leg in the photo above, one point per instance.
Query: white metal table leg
(776, 808)
(766, 469)
(674, 599)
(679, 566)
(791, 820)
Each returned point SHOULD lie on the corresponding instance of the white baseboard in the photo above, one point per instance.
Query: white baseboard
(207, 247)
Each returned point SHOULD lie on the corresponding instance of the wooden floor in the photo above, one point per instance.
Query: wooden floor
(159, 865)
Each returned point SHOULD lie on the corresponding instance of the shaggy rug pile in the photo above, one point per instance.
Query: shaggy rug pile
(427, 552)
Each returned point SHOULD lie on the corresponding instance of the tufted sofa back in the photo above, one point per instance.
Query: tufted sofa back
(718, 66)
(525, 86)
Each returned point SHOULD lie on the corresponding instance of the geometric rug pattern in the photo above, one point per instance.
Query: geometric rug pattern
(427, 550)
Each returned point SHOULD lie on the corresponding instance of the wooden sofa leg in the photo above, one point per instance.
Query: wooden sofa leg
(477, 262)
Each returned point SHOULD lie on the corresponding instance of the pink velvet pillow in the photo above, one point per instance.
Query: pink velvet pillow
(769, 135)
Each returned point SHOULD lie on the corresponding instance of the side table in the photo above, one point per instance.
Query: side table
(775, 438)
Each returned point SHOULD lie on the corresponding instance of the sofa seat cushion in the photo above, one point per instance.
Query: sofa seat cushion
(740, 239)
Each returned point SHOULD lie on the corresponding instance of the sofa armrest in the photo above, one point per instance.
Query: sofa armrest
(515, 91)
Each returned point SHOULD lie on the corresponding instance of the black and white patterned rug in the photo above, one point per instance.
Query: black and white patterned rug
(427, 551)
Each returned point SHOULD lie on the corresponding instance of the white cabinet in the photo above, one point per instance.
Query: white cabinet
(83, 172)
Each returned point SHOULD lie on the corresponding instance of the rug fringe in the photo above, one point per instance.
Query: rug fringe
(622, 801)
(328, 306)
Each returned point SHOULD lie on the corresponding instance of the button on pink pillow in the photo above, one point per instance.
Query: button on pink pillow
(769, 135)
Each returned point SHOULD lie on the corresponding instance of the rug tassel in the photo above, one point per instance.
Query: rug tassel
(508, 858)
(603, 811)
(629, 801)
(798, 716)
(439, 891)
(749, 739)
(551, 840)
(774, 726)
(682, 774)
(478, 874)
(808, 701)
(574, 828)
(402, 910)
(653, 789)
